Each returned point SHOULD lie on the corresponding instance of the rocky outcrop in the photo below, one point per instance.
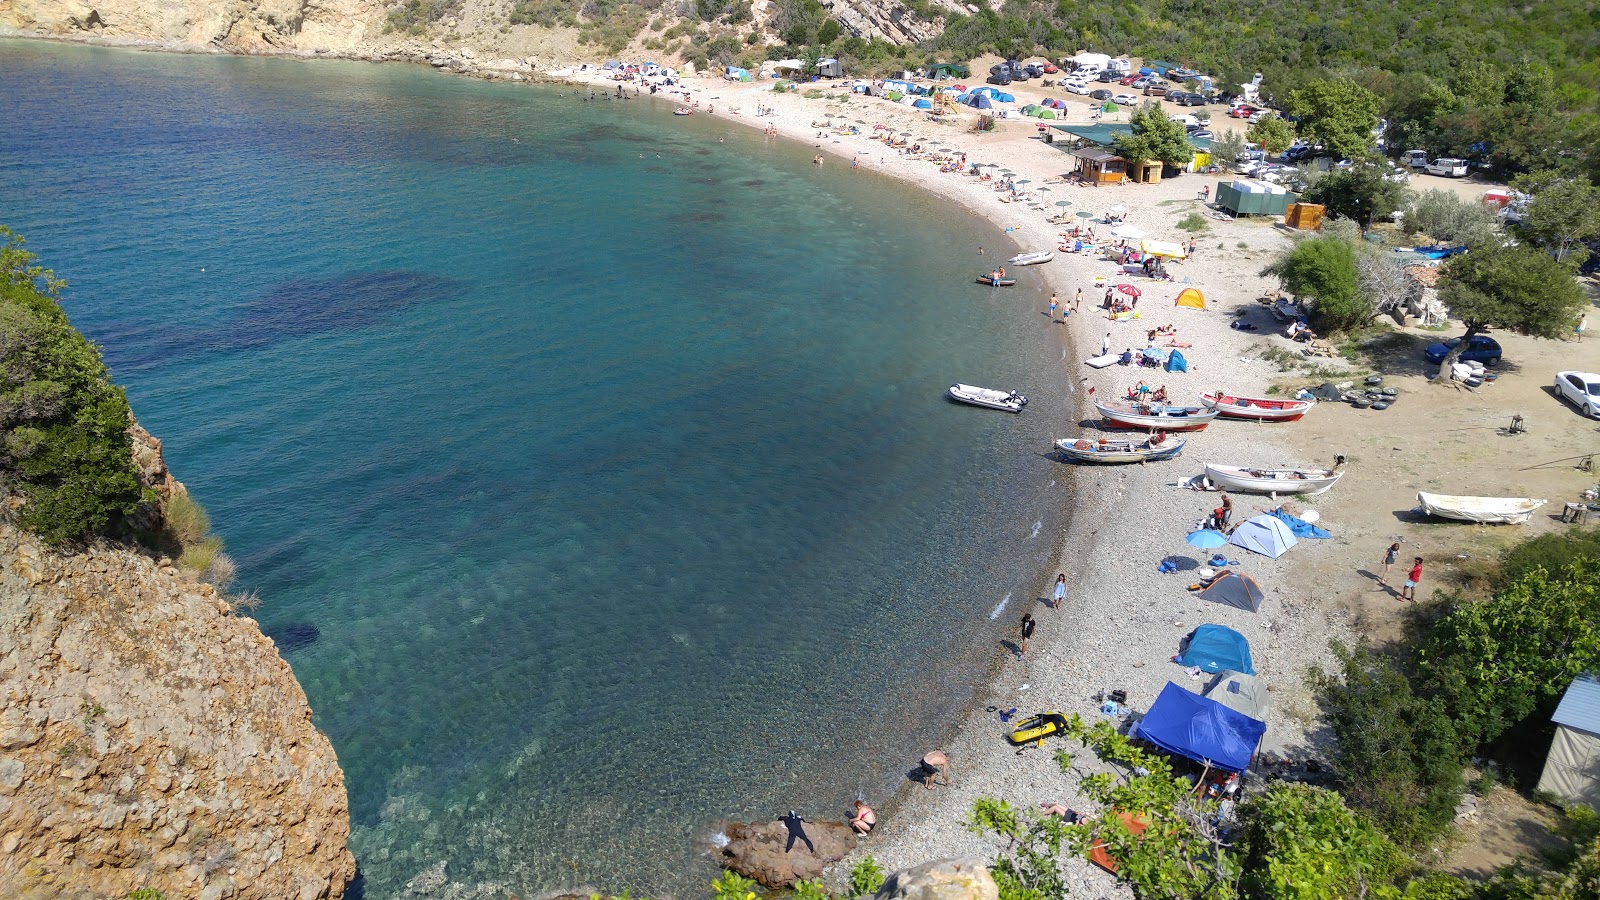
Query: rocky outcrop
(885, 20)
(148, 739)
(777, 854)
(950, 879)
(233, 25)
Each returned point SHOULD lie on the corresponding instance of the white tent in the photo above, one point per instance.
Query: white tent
(1572, 770)
(792, 66)
(1241, 693)
(1266, 535)
(1092, 61)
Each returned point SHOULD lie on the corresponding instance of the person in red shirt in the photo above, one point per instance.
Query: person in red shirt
(1409, 591)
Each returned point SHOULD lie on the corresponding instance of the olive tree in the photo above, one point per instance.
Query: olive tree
(1518, 289)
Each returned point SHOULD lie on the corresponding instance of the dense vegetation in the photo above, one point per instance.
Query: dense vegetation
(65, 448)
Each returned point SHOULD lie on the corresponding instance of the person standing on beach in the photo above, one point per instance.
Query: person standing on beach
(1105, 344)
(1409, 590)
(1389, 558)
(1028, 624)
(1077, 300)
(1583, 322)
(935, 762)
(1061, 590)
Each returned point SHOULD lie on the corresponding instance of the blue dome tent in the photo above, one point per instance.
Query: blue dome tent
(1215, 648)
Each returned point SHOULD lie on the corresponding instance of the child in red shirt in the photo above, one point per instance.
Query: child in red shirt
(1409, 591)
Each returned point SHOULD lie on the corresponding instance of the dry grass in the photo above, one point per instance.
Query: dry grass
(186, 520)
(199, 556)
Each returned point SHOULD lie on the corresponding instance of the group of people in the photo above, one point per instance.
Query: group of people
(1300, 332)
(1144, 393)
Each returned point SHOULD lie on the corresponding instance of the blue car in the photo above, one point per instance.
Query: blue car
(1483, 349)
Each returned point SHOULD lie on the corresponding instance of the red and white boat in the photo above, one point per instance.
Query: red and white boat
(1260, 409)
(1154, 416)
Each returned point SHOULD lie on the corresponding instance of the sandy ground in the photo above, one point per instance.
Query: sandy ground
(1123, 620)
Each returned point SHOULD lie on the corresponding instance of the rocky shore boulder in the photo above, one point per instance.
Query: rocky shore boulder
(949, 879)
(150, 739)
(777, 854)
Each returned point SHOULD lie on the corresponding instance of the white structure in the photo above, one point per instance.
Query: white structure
(1572, 771)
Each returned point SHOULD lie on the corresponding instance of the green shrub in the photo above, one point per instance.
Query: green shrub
(1302, 841)
(813, 889)
(64, 444)
(865, 877)
(1325, 268)
(1193, 222)
(1550, 552)
(733, 886)
(146, 894)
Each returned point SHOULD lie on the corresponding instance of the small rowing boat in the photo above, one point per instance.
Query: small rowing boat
(1261, 409)
(1009, 401)
(1273, 481)
(992, 281)
(1115, 451)
(1031, 259)
(1154, 415)
(1499, 510)
(683, 111)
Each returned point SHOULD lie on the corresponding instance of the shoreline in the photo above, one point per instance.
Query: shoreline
(1065, 667)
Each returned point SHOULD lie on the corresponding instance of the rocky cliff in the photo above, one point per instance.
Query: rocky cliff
(234, 25)
(150, 739)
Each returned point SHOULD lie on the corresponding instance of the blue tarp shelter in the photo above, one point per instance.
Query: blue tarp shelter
(1264, 535)
(1189, 725)
(1216, 648)
(1176, 362)
(1300, 528)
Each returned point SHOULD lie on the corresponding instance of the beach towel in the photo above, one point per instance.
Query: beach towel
(1300, 527)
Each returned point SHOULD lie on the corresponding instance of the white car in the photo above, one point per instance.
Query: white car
(1581, 389)
(1078, 87)
(1125, 100)
(1448, 167)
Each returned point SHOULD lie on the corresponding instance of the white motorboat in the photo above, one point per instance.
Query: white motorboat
(1261, 409)
(1128, 414)
(1273, 481)
(1500, 510)
(1114, 450)
(1031, 259)
(1009, 401)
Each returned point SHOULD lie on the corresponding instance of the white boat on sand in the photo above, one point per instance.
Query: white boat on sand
(1031, 259)
(1118, 450)
(1128, 414)
(1010, 401)
(1273, 481)
(1501, 510)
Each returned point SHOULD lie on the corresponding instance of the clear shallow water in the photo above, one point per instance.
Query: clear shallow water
(618, 487)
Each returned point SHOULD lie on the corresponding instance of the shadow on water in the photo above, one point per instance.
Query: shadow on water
(295, 308)
(292, 636)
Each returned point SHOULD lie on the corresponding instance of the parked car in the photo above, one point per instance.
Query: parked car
(1078, 87)
(1483, 349)
(1190, 98)
(1050, 68)
(1296, 153)
(1448, 167)
(1175, 95)
(1156, 88)
(1000, 79)
(1416, 159)
(1242, 112)
(1125, 100)
(1101, 95)
(1128, 80)
(1033, 70)
(1258, 115)
(1203, 134)
(1140, 83)
(1581, 389)
(1108, 77)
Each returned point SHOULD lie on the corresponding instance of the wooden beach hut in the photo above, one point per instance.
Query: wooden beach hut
(1101, 166)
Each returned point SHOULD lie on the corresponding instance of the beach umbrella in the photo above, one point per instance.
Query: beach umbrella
(1063, 203)
(1128, 232)
(1024, 181)
(1205, 538)
(1085, 214)
(1130, 290)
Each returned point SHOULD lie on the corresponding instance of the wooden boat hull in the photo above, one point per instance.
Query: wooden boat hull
(989, 280)
(1260, 409)
(1188, 418)
(1496, 510)
(1272, 481)
(1113, 452)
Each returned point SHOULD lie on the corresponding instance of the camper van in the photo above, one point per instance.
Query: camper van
(1416, 159)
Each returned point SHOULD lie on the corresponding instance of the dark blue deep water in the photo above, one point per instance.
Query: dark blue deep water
(595, 475)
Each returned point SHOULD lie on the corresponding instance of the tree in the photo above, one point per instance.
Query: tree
(1361, 192)
(1325, 268)
(1396, 753)
(1516, 288)
(1562, 211)
(1443, 216)
(1302, 843)
(1155, 137)
(1495, 662)
(1227, 148)
(1338, 114)
(1271, 133)
(1025, 867)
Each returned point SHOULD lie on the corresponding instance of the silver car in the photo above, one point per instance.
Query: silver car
(1581, 389)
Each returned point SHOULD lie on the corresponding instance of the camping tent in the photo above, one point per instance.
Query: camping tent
(1191, 298)
(1176, 362)
(734, 73)
(1572, 770)
(1234, 589)
(1046, 112)
(1264, 535)
(1191, 726)
(1215, 648)
(922, 103)
(977, 101)
(1241, 693)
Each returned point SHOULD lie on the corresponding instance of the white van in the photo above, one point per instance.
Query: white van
(1448, 167)
(1416, 159)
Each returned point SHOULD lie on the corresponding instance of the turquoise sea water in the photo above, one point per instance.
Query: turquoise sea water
(608, 462)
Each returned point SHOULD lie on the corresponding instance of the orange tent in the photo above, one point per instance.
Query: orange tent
(1097, 852)
(1191, 298)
